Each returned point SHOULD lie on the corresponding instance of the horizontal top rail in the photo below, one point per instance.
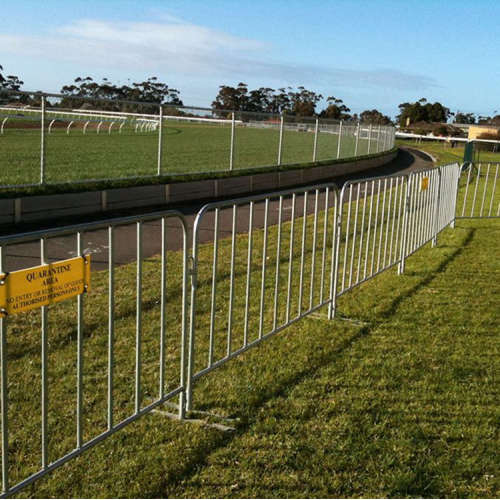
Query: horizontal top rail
(90, 226)
(256, 198)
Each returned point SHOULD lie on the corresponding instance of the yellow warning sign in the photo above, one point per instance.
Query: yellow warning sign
(425, 184)
(39, 286)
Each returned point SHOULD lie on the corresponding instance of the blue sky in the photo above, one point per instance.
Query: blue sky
(372, 54)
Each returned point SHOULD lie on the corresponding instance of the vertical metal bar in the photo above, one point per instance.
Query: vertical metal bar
(79, 354)
(290, 259)
(372, 195)
(280, 146)
(44, 368)
(354, 235)
(369, 137)
(42, 141)
(346, 244)
(313, 257)
(389, 214)
(185, 395)
(231, 282)
(475, 190)
(340, 139)
(213, 299)
(493, 190)
(381, 225)
(357, 141)
(231, 151)
(163, 293)
(362, 231)
(138, 321)
(484, 190)
(302, 254)
(375, 226)
(334, 272)
(4, 392)
(323, 251)
(315, 146)
(160, 138)
(249, 273)
(111, 323)
(397, 207)
(263, 276)
(466, 189)
(278, 256)
(404, 229)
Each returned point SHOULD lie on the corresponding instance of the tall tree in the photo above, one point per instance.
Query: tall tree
(467, 118)
(150, 90)
(422, 111)
(375, 117)
(336, 109)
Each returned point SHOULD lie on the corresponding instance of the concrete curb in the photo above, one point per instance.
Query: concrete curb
(43, 207)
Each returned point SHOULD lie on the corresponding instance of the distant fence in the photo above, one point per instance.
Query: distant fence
(256, 265)
(54, 140)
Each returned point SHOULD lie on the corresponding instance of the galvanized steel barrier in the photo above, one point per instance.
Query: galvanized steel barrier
(479, 193)
(279, 271)
(77, 375)
(257, 265)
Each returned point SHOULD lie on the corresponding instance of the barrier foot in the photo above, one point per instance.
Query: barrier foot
(197, 421)
(200, 421)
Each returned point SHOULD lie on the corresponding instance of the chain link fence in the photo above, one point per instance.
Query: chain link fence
(51, 138)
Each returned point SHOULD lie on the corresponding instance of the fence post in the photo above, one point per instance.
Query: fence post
(42, 143)
(4, 393)
(436, 210)
(192, 265)
(280, 146)
(231, 151)
(369, 138)
(457, 186)
(160, 136)
(404, 235)
(378, 139)
(315, 139)
(357, 141)
(340, 138)
(332, 307)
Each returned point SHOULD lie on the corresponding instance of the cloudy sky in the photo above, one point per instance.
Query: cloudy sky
(372, 53)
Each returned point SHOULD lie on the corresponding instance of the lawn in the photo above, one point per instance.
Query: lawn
(444, 153)
(396, 397)
(187, 148)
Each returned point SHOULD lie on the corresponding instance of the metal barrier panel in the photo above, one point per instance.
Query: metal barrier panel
(371, 229)
(450, 175)
(269, 264)
(77, 371)
(422, 209)
(479, 191)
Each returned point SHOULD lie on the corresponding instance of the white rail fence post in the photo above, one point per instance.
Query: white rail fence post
(160, 138)
(280, 145)
(42, 142)
(231, 149)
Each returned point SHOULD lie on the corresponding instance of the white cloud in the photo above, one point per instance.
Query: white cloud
(175, 47)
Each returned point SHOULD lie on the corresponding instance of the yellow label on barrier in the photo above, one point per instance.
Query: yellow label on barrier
(40, 286)
(425, 184)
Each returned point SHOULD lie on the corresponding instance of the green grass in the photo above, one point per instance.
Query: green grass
(187, 149)
(401, 400)
(444, 153)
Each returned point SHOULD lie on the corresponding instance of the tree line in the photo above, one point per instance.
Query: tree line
(299, 101)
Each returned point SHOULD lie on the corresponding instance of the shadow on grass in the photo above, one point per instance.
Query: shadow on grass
(200, 454)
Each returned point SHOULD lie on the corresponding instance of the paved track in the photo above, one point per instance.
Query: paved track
(96, 242)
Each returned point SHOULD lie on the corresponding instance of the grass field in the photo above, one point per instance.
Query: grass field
(400, 399)
(187, 148)
(444, 153)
